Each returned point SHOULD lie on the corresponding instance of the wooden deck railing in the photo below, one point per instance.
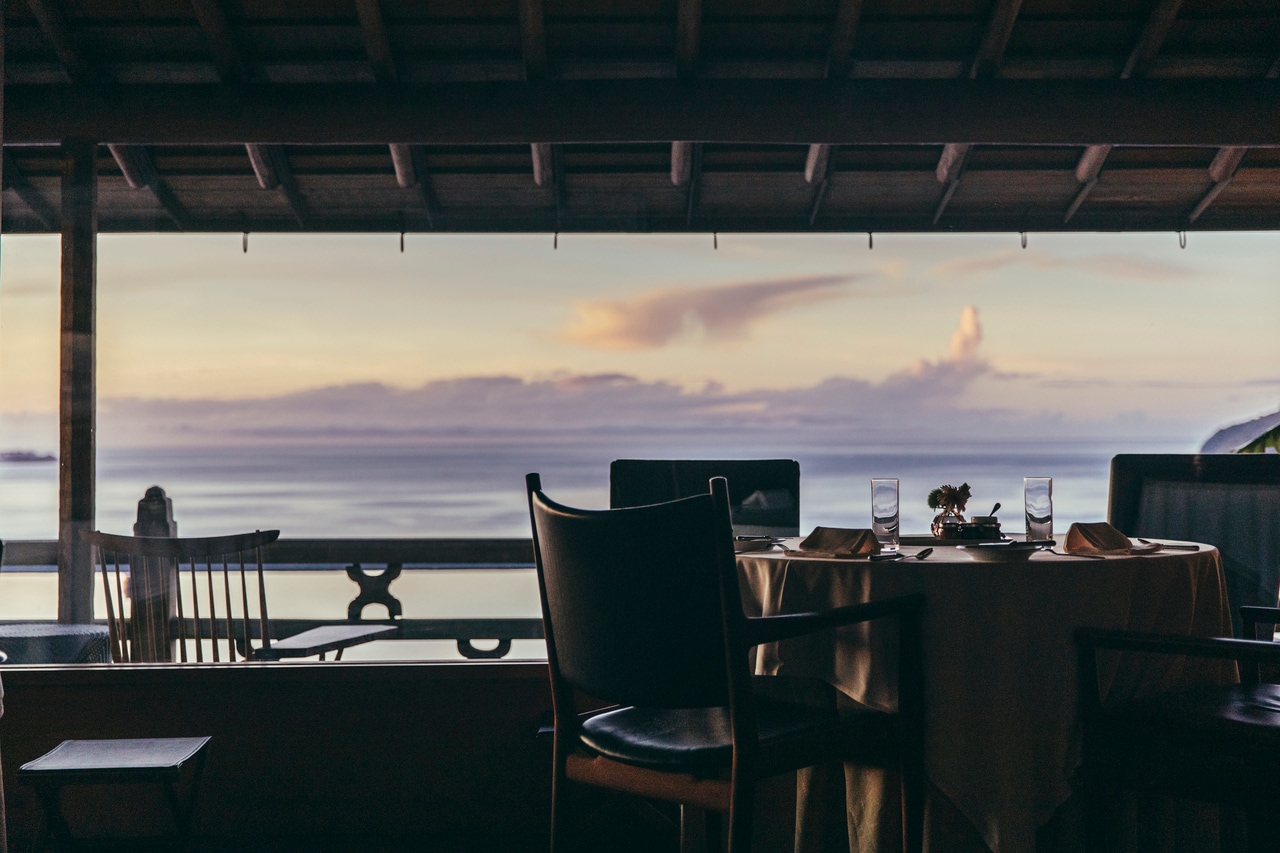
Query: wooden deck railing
(374, 564)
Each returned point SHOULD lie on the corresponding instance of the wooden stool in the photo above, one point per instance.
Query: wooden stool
(96, 762)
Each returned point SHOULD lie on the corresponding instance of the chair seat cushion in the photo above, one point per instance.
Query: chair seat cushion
(700, 739)
(1237, 720)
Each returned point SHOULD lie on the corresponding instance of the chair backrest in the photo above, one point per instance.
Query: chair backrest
(194, 593)
(764, 494)
(634, 599)
(1227, 500)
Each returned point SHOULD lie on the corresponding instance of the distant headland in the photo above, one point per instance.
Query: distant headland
(26, 456)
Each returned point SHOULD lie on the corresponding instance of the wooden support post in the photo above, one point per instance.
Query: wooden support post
(4, 829)
(76, 416)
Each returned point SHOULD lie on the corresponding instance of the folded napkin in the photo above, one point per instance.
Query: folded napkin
(1098, 537)
(838, 542)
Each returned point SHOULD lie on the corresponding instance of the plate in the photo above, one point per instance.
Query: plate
(1000, 552)
(749, 546)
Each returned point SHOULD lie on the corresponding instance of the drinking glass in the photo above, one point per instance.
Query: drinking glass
(884, 512)
(1037, 492)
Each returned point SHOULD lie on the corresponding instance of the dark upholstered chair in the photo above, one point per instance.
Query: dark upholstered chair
(764, 494)
(1227, 500)
(641, 609)
(195, 593)
(1212, 743)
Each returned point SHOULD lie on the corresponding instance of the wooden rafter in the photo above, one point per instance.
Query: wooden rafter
(48, 14)
(1221, 170)
(271, 167)
(1150, 40)
(986, 63)
(695, 184)
(217, 30)
(533, 39)
(15, 179)
(681, 163)
(139, 170)
(688, 37)
(843, 33)
(410, 164)
(377, 44)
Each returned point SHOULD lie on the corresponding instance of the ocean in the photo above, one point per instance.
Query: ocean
(473, 486)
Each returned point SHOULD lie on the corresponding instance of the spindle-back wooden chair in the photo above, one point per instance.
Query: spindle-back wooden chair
(195, 593)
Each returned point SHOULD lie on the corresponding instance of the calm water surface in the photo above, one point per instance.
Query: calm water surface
(474, 486)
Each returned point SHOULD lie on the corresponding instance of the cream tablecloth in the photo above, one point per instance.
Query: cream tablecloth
(1002, 726)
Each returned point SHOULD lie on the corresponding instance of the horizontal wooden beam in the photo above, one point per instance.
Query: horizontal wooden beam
(854, 112)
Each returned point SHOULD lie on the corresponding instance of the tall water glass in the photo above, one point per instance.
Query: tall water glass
(1037, 492)
(884, 512)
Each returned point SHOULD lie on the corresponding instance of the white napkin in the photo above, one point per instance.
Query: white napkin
(838, 542)
(1097, 537)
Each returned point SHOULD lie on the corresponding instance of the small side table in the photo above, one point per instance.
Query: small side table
(121, 761)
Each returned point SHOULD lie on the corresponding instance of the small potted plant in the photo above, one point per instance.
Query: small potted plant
(950, 501)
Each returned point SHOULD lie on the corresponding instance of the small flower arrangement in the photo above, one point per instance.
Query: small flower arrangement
(950, 501)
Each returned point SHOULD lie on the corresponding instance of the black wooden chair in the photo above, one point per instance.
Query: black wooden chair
(1229, 501)
(195, 593)
(764, 494)
(641, 609)
(1210, 743)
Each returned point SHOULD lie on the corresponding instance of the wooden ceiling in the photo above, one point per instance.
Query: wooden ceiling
(648, 115)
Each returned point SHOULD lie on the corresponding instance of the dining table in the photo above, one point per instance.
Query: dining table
(1002, 725)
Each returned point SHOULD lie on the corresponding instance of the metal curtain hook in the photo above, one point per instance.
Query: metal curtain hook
(1024, 238)
(555, 241)
(871, 241)
(715, 240)
(402, 242)
(1182, 239)
(244, 242)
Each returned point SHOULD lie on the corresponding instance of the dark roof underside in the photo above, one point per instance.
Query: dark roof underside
(720, 181)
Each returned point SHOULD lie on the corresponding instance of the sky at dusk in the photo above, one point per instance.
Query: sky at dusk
(925, 335)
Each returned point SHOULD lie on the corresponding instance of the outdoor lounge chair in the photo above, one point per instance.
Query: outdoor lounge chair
(195, 593)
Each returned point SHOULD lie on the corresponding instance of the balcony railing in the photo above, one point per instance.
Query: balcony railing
(374, 565)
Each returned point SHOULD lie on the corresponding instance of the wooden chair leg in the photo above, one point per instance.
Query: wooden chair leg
(742, 802)
(714, 824)
(913, 794)
(559, 825)
(1101, 810)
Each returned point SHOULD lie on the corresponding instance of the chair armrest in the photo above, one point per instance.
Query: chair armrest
(1252, 616)
(770, 629)
(1222, 648)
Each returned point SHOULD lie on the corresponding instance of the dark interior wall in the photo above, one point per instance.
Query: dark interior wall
(328, 756)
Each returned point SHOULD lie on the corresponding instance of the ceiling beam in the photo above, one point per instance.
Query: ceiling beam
(15, 179)
(1213, 113)
(48, 14)
(217, 31)
(1159, 22)
(688, 37)
(843, 34)
(986, 64)
(376, 42)
(533, 39)
(410, 163)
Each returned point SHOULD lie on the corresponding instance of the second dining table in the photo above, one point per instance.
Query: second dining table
(1002, 730)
